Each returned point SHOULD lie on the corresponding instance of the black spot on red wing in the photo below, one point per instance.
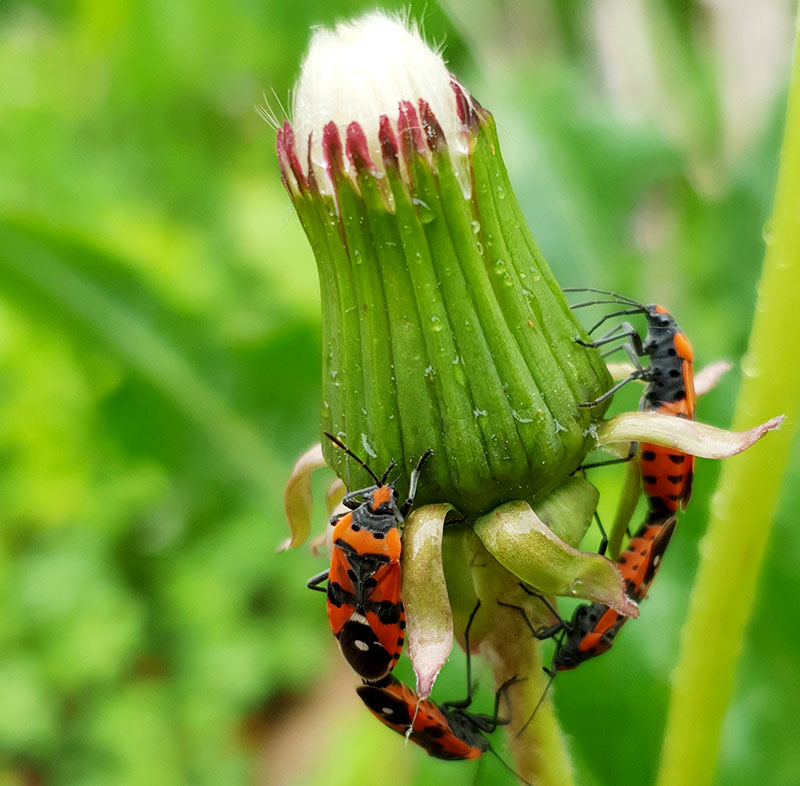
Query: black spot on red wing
(401, 641)
(674, 497)
(388, 613)
(355, 527)
(648, 455)
(402, 624)
(386, 704)
(677, 458)
(675, 478)
(649, 479)
(379, 535)
(338, 596)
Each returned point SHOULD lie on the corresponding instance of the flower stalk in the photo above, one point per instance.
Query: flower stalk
(744, 506)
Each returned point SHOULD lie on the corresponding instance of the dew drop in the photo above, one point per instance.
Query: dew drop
(426, 215)
(368, 449)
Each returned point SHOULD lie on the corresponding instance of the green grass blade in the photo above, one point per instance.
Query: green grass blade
(50, 277)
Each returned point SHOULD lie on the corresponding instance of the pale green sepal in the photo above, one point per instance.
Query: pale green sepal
(429, 621)
(522, 543)
(568, 509)
(335, 495)
(297, 499)
(709, 377)
(687, 436)
(457, 558)
(506, 602)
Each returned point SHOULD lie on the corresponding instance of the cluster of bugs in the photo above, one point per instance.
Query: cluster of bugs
(365, 607)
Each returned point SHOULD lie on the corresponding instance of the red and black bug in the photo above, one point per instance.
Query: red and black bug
(365, 608)
(594, 626)
(666, 473)
(446, 731)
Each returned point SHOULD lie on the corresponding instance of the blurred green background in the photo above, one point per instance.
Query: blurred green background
(159, 364)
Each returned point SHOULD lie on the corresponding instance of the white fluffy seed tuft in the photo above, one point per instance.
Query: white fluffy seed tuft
(361, 70)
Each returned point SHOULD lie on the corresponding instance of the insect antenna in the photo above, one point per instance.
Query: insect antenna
(392, 465)
(624, 312)
(617, 298)
(508, 766)
(552, 673)
(350, 453)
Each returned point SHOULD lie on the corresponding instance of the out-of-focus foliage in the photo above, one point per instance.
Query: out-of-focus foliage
(159, 346)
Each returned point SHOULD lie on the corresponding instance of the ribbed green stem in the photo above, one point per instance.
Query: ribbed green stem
(745, 503)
